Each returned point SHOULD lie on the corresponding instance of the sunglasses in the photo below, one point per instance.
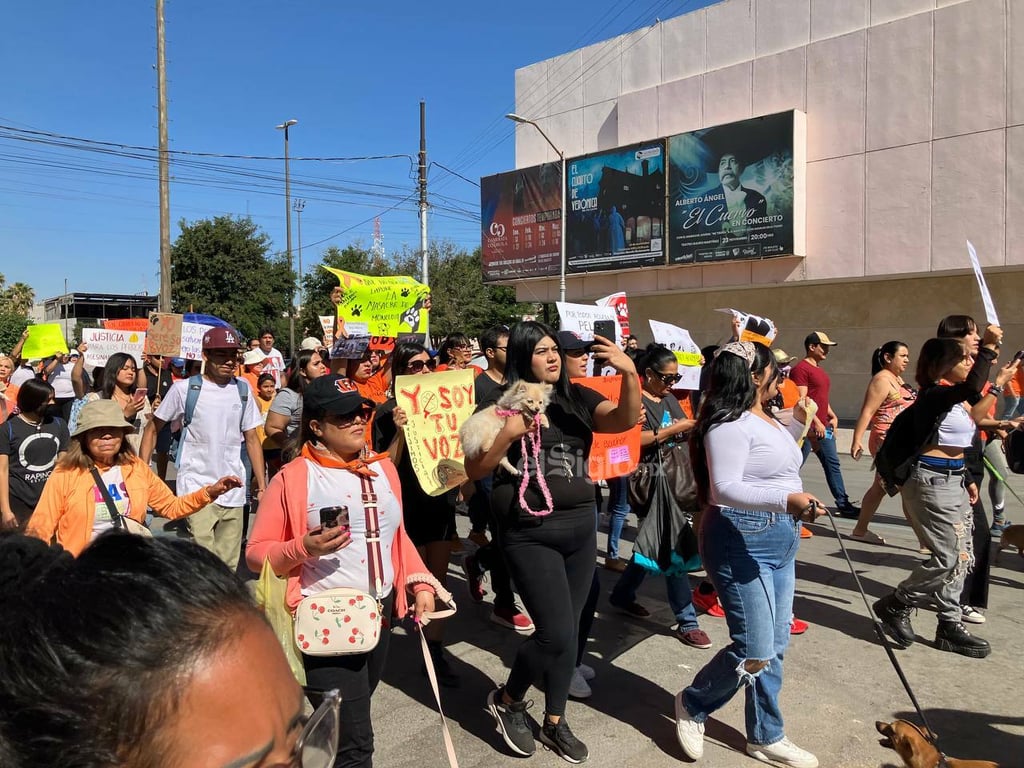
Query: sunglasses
(666, 378)
(318, 743)
(364, 414)
(416, 365)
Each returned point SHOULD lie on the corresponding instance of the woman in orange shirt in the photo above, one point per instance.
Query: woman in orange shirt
(72, 508)
(8, 392)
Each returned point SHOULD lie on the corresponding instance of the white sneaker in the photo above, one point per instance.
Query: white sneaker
(578, 687)
(783, 751)
(689, 732)
(587, 672)
(971, 615)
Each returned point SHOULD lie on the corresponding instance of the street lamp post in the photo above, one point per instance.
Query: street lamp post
(299, 205)
(561, 238)
(288, 231)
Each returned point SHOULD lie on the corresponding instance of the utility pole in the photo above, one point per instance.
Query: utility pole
(165, 192)
(288, 232)
(423, 192)
(298, 206)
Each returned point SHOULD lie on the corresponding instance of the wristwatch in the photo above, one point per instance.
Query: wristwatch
(995, 389)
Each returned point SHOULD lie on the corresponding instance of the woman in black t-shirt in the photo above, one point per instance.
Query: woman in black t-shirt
(550, 556)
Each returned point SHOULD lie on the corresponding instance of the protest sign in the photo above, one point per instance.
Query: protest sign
(352, 348)
(192, 340)
(44, 340)
(102, 343)
(163, 336)
(127, 324)
(990, 308)
(580, 318)
(617, 301)
(437, 405)
(327, 325)
(390, 306)
(611, 454)
(684, 348)
(753, 327)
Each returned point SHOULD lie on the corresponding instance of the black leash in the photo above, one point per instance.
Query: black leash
(877, 624)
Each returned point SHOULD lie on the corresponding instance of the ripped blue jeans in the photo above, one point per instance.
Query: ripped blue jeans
(750, 558)
(939, 502)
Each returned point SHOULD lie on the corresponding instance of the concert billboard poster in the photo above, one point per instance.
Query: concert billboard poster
(736, 191)
(616, 209)
(520, 223)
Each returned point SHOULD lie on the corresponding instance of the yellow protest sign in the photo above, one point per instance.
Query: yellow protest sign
(44, 340)
(437, 405)
(387, 306)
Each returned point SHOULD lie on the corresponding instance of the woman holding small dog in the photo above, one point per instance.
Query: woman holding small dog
(940, 490)
(547, 530)
(747, 467)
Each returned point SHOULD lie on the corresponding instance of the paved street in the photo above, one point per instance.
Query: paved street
(838, 679)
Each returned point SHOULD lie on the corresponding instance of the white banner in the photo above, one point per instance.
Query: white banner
(990, 307)
(192, 340)
(753, 327)
(103, 343)
(327, 325)
(579, 318)
(684, 348)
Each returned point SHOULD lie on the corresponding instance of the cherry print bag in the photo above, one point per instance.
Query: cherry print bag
(342, 621)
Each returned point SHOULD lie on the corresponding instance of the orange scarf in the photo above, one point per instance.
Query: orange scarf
(325, 458)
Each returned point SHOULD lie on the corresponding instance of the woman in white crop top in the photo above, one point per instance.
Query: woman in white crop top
(747, 467)
(940, 491)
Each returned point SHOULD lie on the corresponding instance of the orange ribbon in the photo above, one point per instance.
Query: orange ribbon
(357, 466)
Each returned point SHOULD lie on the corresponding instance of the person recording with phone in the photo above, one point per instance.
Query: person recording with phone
(125, 383)
(313, 526)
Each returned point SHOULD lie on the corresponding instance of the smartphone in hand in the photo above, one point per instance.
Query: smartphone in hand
(140, 393)
(334, 517)
(605, 328)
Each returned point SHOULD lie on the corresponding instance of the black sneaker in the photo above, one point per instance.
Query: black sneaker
(632, 609)
(513, 724)
(895, 617)
(446, 676)
(558, 737)
(848, 510)
(953, 636)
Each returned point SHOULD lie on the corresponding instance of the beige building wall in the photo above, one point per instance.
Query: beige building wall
(915, 143)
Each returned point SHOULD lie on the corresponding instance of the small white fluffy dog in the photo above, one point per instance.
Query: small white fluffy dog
(478, 433)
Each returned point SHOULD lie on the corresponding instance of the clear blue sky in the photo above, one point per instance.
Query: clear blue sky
(352, 73)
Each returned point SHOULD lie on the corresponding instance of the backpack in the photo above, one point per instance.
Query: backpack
(195, 387)
(901, 447)
(1014, 447)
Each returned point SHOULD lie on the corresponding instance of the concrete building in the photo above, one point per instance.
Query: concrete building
(915, 143)
(92, 309)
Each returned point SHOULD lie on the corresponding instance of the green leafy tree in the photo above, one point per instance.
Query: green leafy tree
(223, 267)
(318, 283)
(15, 303)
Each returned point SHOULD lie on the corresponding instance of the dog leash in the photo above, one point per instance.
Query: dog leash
(1001, 479)
(428, 661)
(877, 624)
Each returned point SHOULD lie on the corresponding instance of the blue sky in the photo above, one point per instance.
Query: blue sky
(351, 72)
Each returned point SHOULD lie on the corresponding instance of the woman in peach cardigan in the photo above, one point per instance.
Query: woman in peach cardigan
(72, 509)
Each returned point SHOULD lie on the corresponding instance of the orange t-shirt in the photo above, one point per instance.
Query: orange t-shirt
(10, 402)
(374, 388)
(790, 393)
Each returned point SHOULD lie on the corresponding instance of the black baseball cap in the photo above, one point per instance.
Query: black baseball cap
(334, 395)
(570, 341)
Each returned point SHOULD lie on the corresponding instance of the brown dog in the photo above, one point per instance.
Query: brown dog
(911, 744)
(1013, 536)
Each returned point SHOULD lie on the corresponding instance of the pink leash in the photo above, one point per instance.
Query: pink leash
(533, 448)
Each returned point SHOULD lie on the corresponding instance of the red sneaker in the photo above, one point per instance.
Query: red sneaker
(797, 626)
(805, 532)
(512, 618)
(474, 578)
(708, 602)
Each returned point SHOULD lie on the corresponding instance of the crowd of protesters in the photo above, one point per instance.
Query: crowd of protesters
(255, 436)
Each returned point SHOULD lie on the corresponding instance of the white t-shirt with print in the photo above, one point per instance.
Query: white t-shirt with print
(213, 443)
(348, 567)
(275, 366)
(114, 480)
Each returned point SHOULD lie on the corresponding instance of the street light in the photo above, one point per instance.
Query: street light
(561, 155)
(299, 205)
(288, 231)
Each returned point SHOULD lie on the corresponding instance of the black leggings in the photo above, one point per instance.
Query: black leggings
(552, 565)
(356, 676)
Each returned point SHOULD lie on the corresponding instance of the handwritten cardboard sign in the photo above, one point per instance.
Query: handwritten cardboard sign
(163, 336)
(44, 340)
(104, 342)
(192, 340)
(437, 406)
(612, 454)
(390, 306)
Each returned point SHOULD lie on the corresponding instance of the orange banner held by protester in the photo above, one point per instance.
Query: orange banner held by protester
(137, 324)
(611, 454)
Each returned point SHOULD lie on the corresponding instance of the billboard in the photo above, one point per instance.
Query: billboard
(616, 209)
(736, 191)
(520, 223)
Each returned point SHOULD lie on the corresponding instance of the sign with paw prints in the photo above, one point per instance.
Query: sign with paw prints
(388, 306)
(336, 622)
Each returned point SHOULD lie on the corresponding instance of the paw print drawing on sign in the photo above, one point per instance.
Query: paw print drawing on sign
(405, 292)
(411, 317)
(357, 310)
